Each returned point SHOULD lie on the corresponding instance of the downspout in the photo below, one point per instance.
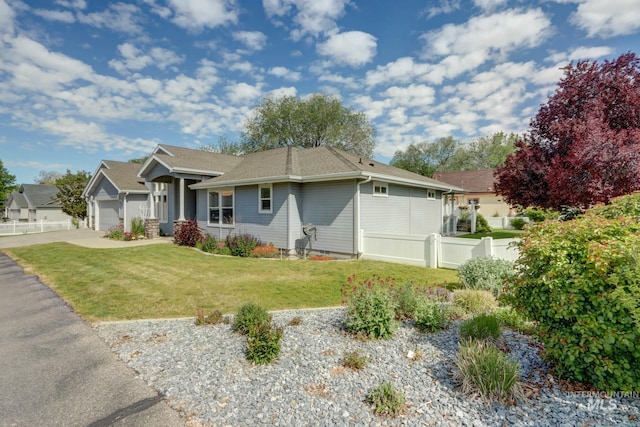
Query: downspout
(357, 219)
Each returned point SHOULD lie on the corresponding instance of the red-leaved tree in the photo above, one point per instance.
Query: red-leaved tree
(583, 146)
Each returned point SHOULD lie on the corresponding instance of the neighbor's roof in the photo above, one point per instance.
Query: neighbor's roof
(18, 198)
(187, 160)
(478, 181)
(40, 195)
(314, 164)
(123, 176)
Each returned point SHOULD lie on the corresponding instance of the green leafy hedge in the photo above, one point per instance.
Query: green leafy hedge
(580, 280)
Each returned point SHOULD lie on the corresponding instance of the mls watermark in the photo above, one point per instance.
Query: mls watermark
(597, 401)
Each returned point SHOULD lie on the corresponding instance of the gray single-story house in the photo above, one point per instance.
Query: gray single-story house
(169, 171)
(115, 195)
(319, 199)
(34, 202)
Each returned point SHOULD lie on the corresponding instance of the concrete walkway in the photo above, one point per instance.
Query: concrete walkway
(81, 237)
(54, 370)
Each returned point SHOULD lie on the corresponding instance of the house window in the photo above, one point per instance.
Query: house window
(161, 204)
(380, 189)
(431, 194)
(474, 201)
(221, 207)
(265, 195)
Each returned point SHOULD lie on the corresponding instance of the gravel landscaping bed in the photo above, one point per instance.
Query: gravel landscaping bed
(203, 373)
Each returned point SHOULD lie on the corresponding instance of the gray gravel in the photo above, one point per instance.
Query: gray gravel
(203, 372)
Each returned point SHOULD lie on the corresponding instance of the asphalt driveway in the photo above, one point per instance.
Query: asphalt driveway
(55, 371)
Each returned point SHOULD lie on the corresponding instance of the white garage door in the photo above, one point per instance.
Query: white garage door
(108, 214)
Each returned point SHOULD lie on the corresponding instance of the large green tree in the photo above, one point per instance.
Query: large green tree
(70, 188)
(7, 183)
(425, 158)
(319, 120)
(224, 146)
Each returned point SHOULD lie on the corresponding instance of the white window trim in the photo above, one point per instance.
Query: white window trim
(381, 184)
(260, 199)
(233, 207)
(431, 194)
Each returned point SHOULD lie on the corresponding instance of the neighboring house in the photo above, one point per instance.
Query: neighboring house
(35, 202)
(115, 195)
(318, 198)
(170, 171)
(480, 185)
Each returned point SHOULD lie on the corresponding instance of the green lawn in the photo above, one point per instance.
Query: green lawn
(158, 281)
(497, 234)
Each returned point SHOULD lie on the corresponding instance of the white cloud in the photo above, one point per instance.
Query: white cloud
(119, 17)
(285, 73)
(282, 92)
(445, 6)
(72, 4)
(501, 32)
(402, 70)
(606, 18)
(410, 96)
(489, 5)
(56, 15)
(195, 15)
(352, 48)
(583, 52)
(311, 17)
(6, 18)
(134, 60)
(347, 82)
(242, 92)
(254, 40)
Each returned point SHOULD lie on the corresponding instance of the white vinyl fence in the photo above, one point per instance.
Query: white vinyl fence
(434, 250)
(18, 227)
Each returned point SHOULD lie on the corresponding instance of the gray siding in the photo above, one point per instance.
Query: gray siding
(294, 214)
(406, 210)
(329, 206)
(105, 190)
(157, 171)
(134, 203)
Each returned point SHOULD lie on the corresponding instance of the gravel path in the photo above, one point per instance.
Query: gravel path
(203, 372)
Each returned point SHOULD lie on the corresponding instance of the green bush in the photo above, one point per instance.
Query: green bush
(116, 233)
(189, 234)
(407, 300)
(370, 309)
(482, 225)
(541, 215)
(580, 280)
(137, 227)
(486, 273)
(518, 223)
(386, 400)
(431, 317)
(242, 244)
(480, 327)
(474, 301)
(250, 315)
(510, 318)
(263, 343)
(482, 369)
(209, 244)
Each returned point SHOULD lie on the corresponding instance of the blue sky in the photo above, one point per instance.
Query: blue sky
(85, 80)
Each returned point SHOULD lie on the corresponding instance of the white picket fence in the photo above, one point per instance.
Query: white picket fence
(434, 250)
(19, 227)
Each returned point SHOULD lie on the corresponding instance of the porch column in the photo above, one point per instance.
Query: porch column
(89, 212)
(181, 217)
(152, 200)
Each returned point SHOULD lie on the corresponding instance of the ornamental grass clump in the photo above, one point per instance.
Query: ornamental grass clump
(481, 327)
(483, 370)
(473, 301)
(370, 308)
(386, 400)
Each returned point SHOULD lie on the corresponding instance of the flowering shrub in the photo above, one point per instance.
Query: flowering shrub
(242, 244)
(370, 308)
(116, 232)
(189, 234)
(264, 251)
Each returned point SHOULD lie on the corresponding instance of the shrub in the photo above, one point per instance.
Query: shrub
(370, 308)
(482, 225)
(386, 400)
(242, 244)
(486, 273)
(209, 244)
(116, 232)
(354, 360)
(431, 316)
(263, 343)
(482, 369)
(474, 301)
(407, 300)
(264, 251)
(518, 223)
(540, 215)
(212, 319)
(480, 327)
(250, 315)
(188, 234)
(510, 318)
(580, 280)
(137, 227)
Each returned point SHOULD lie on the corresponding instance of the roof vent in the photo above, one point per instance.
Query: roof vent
(371, 164)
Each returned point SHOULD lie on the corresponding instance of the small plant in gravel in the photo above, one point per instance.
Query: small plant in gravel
(481, 369)
(386, 400)
(213, 318)
(250, 315)
(407, 300)
(480, 327)
(296, 321)
(263, 343)
(474, 301)
(370, 308)
(486, 273)
(354, 360)
(431, 317)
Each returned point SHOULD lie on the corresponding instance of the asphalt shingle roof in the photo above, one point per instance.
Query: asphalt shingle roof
(195, 160)
(124, 175)
(477, 181)
(39, 195)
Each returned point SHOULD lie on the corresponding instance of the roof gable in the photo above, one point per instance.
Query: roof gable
(40, 195)
(122, 175)
(187, 160)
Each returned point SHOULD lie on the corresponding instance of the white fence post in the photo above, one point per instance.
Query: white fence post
(14, 226)
(42, 225)
(487, 246)
(431, 250)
